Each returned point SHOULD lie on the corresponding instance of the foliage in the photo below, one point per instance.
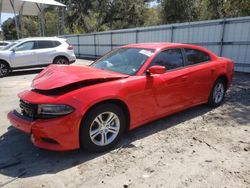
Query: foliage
(99, 15)
(214, 9)
(29, 26)
(153, 16)
(9, 30)
(174, 11)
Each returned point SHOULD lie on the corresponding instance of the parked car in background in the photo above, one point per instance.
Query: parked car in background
(35, 52)
(4, 43)
(126, 88)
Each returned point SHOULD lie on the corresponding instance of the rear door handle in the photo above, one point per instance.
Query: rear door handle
(184, 78)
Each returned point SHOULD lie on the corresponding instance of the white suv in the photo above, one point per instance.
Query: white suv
(35, 52)
(4, 43)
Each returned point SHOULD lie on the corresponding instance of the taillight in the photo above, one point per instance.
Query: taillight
(70, 47)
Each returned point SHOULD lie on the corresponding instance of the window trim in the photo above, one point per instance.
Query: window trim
(34, 47)
(51, 41)
(165, 49)
(185, 57)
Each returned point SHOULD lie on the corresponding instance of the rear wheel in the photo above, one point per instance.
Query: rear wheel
(4, 69)
(102, 127)
(217, 94)
(61, 60)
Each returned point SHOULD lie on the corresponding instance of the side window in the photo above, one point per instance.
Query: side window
(56, 43)
(196, 56)
(45, 44)
(25, 46)
(171, 59)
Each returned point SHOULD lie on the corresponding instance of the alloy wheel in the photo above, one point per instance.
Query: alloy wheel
(4, 69)
(62, 61)
(104, 128)
(218, 92)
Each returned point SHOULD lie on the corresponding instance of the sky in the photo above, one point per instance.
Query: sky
(5, 16)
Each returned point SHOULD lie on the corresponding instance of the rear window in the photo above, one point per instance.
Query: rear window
(47, 44)
(196, 56)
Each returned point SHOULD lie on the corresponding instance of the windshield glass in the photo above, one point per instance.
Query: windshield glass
(9, 46)
(124, 60)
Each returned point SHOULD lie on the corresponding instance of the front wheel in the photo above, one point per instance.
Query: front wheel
(102, 128)
(217, 94)
(4, 69)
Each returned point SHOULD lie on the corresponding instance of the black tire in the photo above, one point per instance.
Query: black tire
(61, 60)
(216, 99)
(89, 124)
(4, 69)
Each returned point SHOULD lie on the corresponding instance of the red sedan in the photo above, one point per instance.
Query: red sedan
(73, 106)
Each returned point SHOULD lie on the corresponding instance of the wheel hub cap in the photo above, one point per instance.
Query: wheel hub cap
(104, 128)
(218, 93)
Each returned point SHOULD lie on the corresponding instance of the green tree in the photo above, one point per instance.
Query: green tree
(98, 15)
(215, 9)
(126, 14)
(29, 26)
(79, 15)
(174, 11)
(153, 16)
(51, 23)
(9, 30)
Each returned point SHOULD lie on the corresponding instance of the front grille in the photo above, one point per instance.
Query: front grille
(28, 109)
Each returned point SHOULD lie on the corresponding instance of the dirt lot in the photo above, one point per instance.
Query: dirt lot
(200, 147)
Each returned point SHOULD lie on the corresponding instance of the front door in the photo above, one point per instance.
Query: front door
(170, 88)
(24, 55)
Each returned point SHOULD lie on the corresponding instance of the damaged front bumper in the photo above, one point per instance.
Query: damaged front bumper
(59, 133)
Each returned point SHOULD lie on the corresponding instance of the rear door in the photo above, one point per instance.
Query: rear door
(201, 74)
(46, 51)
(24, 54)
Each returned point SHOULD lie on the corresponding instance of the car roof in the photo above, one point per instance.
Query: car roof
(41, 38)
(160, 45)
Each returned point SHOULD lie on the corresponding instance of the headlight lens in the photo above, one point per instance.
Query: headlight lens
(53, 110)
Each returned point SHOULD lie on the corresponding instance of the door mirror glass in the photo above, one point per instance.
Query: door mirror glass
(157, 69)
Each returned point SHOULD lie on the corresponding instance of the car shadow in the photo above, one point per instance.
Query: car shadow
(238, 98)
(16, 148)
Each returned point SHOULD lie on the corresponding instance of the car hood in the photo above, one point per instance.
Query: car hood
(59, 76)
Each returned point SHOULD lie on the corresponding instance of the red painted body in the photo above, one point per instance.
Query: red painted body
(147, 98)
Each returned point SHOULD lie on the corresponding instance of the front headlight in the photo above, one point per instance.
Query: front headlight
(53, 110)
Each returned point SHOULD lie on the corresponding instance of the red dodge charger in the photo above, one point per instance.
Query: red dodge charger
(73, 106)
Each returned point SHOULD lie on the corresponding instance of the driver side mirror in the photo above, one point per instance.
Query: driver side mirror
(156, 69)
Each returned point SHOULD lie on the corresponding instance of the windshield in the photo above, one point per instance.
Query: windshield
(124, 60)
(9, 46)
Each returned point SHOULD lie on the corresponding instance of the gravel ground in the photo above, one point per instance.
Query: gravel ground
(199, 147)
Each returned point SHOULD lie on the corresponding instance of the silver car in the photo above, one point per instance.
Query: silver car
(35, 52)
(4, 43)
